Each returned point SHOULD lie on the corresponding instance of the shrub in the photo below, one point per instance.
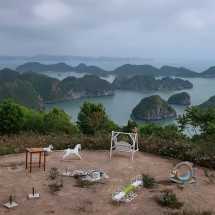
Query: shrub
(210, 177)
(56, 186)
(131, 125)
(34, 121)
(148, 129)
(148, 181)
(58, 183)
(53, 173)
(202, 153)
(169, 199)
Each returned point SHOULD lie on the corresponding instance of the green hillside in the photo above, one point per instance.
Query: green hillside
(21, 92)
(27, 87)
(209, 72)
(43, 84)
(210, 103)
(7, 75)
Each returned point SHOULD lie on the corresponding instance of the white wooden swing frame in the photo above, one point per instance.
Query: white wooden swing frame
(122, 146)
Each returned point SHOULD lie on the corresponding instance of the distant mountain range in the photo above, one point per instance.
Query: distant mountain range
(124, 70)
(61, 67)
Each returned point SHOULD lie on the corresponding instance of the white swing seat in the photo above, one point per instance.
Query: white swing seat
(123, 146)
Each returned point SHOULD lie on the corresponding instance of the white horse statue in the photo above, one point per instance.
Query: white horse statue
(68, 152)
(49, 149)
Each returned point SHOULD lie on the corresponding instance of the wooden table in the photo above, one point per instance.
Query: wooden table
(41, 153)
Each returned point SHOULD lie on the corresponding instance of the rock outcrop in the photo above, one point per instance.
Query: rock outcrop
(180, 99)
(153, 108)
(144, 82)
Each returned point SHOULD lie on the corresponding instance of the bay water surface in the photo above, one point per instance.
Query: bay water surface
(119, 106)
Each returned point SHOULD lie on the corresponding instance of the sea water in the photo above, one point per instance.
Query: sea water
(119, 106)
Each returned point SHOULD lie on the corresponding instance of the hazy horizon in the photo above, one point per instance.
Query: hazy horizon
(194, 65)
(157, 29)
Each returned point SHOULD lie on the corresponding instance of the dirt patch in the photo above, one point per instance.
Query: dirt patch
(15, 168)
(75, 197)
(165, 182)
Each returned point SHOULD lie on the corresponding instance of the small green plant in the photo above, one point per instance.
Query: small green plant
(54, 173)
(54, 187)
(210, 177)
(169, 199)
(148, 181)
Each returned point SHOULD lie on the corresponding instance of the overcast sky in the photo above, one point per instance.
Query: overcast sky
(115, 28)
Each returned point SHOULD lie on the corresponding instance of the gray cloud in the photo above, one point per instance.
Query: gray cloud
(134, 28)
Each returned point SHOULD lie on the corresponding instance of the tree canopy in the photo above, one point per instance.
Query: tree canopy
(92, 119)
(57, 121)
(197, 121)
(11, 117)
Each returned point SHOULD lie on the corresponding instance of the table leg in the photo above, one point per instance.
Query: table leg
(44, 162)
(39, 159)
(30, 161)
(26, 162)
